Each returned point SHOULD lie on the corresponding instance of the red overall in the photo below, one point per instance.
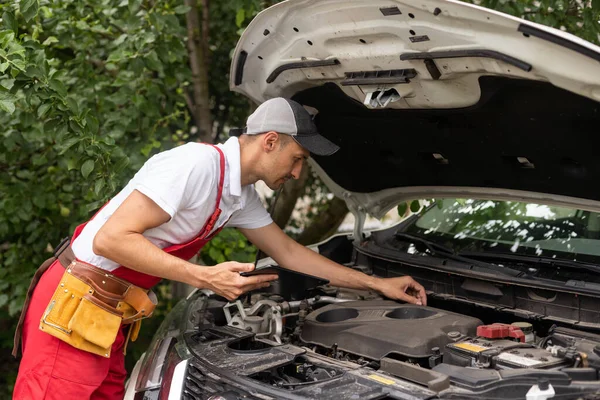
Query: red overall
(53, 369)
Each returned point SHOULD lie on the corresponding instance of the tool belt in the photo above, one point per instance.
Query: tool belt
(89, 306)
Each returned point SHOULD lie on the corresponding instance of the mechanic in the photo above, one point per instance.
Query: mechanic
(83, 305)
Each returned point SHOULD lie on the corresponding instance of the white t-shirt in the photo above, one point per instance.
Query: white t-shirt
(184, 183)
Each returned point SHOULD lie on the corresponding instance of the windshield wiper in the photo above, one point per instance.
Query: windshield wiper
(429, 244)
(440, 250)
(537, 260)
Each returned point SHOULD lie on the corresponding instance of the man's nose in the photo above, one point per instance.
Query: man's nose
(297, 170)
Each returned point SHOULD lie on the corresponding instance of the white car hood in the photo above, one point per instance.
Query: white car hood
(422, 97)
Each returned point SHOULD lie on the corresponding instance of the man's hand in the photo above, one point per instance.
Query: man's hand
(402, 288)
(225, 280)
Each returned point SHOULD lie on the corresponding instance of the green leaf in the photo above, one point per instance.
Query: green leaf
(4, 66)
(58, 86)
(43, 109)
(596, 5)
(82, 25)
(72, 104)
(120, 40)
(181, 9)
(92, 124)
(29, 9)
(87, 168)
(240, 17)
(67, 144)
(34, 72)
(107, 140)
(3, 299)
(14, 307)
(402, 207)
(6, 37)
(7, 83)
(98, 186)
(72, 163)
(50, 40)
(94, 206)
(24, 174)
(38, 159)
(214, 253)
(7, 102)
(121, 164)
(147, 37)
(19, 66)
(415, 206)
(134, 5)
(10, 22)
(152, 61)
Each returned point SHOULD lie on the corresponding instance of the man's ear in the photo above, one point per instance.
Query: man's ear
(270, 141)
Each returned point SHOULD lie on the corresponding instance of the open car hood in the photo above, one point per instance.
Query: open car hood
(433, 99)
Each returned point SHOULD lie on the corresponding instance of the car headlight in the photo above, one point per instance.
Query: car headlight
(162, 345)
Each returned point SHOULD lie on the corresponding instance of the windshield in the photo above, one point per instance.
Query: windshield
(469, 225)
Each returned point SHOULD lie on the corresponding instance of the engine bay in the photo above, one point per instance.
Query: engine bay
(299, 344)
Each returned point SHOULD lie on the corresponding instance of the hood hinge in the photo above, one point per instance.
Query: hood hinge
(360, 216)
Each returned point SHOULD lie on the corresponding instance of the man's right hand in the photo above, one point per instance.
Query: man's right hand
(225, 280)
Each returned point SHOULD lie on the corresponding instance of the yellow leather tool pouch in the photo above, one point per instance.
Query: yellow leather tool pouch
(77, 318)
(95, 322)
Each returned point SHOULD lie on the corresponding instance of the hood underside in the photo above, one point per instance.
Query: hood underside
(434, 94)
(522, 135)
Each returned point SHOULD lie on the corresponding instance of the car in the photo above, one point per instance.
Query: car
(492, 122)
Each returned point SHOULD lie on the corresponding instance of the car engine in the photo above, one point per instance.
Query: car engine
(313, 340)
(382, 328)
(366, 330)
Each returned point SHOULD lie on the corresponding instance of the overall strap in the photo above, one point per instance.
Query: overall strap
(210, 223)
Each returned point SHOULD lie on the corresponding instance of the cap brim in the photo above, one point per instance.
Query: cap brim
(316, 144)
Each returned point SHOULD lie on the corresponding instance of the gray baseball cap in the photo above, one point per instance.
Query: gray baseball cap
(289, 117)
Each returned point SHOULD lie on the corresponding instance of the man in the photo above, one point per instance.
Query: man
(151, 227)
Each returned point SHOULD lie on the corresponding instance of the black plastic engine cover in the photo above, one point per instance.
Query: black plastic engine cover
(374, 329)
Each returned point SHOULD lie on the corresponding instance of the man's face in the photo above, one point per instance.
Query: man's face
(285, 162)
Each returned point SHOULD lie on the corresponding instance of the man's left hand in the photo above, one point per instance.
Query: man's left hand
(402, 288)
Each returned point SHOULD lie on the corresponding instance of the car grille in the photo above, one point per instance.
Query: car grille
(197, 386)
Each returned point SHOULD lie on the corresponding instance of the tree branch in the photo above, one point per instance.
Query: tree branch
(205, 32)
(326, 223)
(201, 105)
(190, 104)
(288, 198)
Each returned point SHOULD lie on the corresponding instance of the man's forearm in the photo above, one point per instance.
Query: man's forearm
(136, 252)
(302, 259)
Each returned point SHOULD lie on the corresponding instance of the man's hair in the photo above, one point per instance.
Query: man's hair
(284, 140)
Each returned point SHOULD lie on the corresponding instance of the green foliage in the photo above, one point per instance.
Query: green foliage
(414, 206)
(86, 99)
(228, 245)
(229, 109)
(88, 90)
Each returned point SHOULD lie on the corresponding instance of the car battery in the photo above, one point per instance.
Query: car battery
(500, 354)
(503, 348)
